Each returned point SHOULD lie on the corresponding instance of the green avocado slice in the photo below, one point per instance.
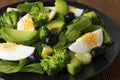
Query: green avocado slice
(18, 36)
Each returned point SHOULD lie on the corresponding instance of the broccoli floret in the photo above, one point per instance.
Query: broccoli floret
(55, 63)
(43, 32)
(36, 10)
(9, 19)
(39, 19)
(39, 15)
(96, 19)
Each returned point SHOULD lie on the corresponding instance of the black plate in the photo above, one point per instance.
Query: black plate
(87, 71)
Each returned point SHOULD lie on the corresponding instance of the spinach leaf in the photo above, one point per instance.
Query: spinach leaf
(61, 42)
(35, 68)
(11, 66)
(26, 7)
(74, 30)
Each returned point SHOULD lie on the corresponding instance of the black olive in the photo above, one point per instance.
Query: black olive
(51, 39)
(34, 58)
(97, 52)
(69, 17)
(2, 40)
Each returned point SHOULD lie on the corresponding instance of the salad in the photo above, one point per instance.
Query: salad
(46, 39)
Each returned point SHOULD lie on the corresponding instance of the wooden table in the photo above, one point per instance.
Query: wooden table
(110, 8)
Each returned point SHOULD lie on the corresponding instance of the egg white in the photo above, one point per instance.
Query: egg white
(15, 53)
(51, 8)
(80, 47)
(26, 23)
(10, 9)
(78, 12)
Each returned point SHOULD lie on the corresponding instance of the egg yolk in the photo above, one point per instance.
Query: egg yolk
(91, 39)
(8, 46)
(27, 23)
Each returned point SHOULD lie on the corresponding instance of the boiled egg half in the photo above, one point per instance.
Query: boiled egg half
(86, 42)
(13, 52)
(26, 23)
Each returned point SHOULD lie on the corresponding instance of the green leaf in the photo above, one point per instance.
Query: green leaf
(26, 7)
(8, 67)
(74, 30)
(95, 18)
(22, 63)
(35, 68)
(61, 42)
(11, 66)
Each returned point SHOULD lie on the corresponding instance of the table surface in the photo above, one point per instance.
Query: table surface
(112, 9)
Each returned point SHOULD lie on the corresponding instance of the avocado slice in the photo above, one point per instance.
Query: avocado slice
(90, 14)
(74, 66)
(56, 25)
(47, 50)
(61, 7)
(18, 36)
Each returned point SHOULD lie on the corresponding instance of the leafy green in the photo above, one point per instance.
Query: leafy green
(73, 35)
(26, 7)
(38, 47)
(9, 19)
(74, 30)
(8, 67)
(61, 42)
(55, 63)
(12, 66)
(35, 68)
(19, 66)
(95, 18)
(97, 21)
